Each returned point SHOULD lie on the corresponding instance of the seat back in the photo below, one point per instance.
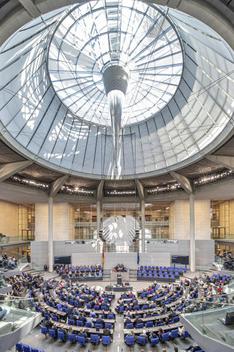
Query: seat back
(19, 347)
(129, 340)
(52, 333)
(61, 335)
(71, 337)
(44, 330)
(94, 338)
(81, 340)
(154, 341)
(106, 340)
(165, 336)
(141, 340)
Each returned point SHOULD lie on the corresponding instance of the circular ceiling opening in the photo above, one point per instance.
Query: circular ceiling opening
(97, 35)
(171, 102)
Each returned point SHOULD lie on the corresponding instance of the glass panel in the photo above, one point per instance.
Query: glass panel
(138, 37)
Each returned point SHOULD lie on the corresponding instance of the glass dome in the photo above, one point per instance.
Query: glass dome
(99, 34)
(178, 105)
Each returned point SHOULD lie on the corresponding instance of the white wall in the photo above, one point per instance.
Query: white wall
(161, 259)
(203, 220)
(63, 227)
(158, 253)
(9, 219)
(179, 227)
(86, 258)
(128, 259)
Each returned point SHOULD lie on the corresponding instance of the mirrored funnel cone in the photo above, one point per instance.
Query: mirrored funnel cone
(115, 80)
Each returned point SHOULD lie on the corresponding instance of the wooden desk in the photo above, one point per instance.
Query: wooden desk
(156, 317)
(112, 321)
(52, 309)
(79, 328)
(151, 310)
(154, 329)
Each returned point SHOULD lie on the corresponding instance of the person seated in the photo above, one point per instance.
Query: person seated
(120, 268)
(106, 332)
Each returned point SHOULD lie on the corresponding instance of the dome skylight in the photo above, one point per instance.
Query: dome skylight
(99, 34)
(149, 84)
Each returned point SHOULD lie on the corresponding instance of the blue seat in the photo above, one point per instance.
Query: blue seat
(106, 340)
(53, 333)
(26, 348)
(71, 337)
(81, 340)
(110, 316)
(98, 325)
(33, 349)
(108, 326)
(129, 340)
(61, 335)
(185, 335)
(141, 340)
(165, 336)
(154, 341)
(149, 324)
(129, 326)
(79, 323)
(94, 339)
(71, 322)
(44, 330)
(88, 324)
(139, 325)
(19, 347)
(174, 333)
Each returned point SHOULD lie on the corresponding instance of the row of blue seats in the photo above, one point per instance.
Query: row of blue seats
(162, 268)
(142, 340)
(81, 339)
(22, 347)
(158, 275)
(220, 277)
(149, 324)
(90, 324)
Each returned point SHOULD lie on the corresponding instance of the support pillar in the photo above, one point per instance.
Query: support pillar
(192, 233)
(50, 235)
(142, 203)
(99, 216)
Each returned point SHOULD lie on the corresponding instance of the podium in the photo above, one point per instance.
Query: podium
(119, 282)
(119, 276)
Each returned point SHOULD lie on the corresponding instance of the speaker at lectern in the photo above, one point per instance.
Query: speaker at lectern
(119, 280)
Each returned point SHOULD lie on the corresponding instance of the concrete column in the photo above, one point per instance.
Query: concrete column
(50, 235)
(142, 204)
(99, 216)
(192, 233)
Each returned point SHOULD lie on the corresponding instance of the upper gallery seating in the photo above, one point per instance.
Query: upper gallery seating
(160, 273)
(84, 272)
(7, 262)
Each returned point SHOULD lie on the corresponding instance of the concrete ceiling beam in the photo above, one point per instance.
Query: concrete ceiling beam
(223, 160)
(100, 190)
(140, 190)
(30, 7)
(183, 181)
(57, 185)
(9, 169)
